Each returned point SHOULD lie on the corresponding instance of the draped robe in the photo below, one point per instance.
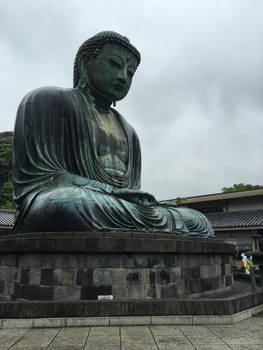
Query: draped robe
(60, 183)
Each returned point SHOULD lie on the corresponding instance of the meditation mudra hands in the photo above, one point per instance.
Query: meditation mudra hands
(135, 196)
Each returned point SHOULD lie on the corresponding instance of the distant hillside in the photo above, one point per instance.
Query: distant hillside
(6, 187)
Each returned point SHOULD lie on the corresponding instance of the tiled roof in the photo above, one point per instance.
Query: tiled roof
(236, 219)
(7, 217)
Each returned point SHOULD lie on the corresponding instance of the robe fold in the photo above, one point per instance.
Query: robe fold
(60, 183)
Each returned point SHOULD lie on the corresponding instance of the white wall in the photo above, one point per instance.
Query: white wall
(244, 203)
(242, 237)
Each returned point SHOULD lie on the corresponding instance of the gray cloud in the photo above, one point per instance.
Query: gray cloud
(197, 97)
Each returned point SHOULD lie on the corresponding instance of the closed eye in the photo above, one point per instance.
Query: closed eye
(115, 63)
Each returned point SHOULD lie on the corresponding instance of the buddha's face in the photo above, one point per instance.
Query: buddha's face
(110, 73)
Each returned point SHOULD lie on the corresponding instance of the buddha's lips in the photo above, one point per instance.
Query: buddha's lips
(119, 87)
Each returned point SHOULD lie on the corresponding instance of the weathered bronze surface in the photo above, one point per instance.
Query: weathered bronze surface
(77, 161)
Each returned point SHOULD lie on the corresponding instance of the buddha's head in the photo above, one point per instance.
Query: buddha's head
(105, 64)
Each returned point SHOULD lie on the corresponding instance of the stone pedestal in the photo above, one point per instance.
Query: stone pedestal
(82, 266)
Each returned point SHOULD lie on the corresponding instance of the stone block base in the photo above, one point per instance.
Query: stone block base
(83, 266)
(16, 314)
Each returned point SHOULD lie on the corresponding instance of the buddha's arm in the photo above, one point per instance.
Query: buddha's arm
(45, 145)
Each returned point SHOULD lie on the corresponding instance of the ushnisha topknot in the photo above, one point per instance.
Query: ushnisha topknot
(93, 45)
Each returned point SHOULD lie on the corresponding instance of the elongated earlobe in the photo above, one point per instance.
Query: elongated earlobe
(83, 67)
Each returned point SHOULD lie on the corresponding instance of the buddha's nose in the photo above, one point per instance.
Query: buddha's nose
(122, 76)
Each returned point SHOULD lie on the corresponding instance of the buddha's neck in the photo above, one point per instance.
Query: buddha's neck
(100, 103)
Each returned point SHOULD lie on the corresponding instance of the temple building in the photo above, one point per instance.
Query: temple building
(236, 217)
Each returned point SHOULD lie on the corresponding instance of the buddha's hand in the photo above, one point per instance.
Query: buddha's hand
(135, 196)
(88, 184)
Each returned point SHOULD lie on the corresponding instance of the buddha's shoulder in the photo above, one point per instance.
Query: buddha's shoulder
(52, 94)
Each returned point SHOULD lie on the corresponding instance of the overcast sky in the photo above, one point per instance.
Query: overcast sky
(197, 98)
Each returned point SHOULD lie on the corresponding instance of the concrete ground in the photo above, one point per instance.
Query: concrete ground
(246, 335)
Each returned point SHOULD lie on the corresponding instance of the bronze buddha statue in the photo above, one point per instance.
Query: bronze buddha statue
(77, 161)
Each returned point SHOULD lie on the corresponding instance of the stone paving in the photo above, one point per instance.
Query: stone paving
(246, 335)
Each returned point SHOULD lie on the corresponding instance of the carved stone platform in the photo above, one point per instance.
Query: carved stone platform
(82, 266)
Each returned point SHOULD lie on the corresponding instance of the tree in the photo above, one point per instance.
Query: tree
(6, 186)
(6, 195)
(179, 201)
(240, 187)
(5, 156)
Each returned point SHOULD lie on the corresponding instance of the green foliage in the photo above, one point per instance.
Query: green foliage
(5, 156)
(6, 195)
(179, 200)
(6, 186)
(240, 187)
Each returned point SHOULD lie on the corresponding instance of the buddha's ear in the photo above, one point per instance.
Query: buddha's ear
(83, 61)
